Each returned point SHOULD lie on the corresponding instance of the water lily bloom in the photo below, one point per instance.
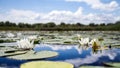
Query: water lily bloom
(10, 35)
(79, 36)
(84, 41)
(25, 44)
(32, 37)
(94, 41)
(95, 44)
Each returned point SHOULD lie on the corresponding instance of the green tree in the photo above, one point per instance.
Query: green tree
(21, 25)
(102, 24)
(92, 24)
(79, 24)
(117, 22)
(62, 24)
(2, 23)
(7, 23)
(51, 24)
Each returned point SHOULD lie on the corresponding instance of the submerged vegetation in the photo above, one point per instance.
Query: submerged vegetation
(50, 26)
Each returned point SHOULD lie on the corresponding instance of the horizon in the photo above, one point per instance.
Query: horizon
(68, 11)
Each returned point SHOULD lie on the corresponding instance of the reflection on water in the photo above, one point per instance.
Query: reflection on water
(79, 55)
(75, 54)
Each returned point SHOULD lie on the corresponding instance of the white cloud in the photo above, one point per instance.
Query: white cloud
(107, 7)
(15, 15)
(19, 16)
(24, 14)
(97, 4)
(79, 61)
(92, 58)
(57, 16)
(79, 11)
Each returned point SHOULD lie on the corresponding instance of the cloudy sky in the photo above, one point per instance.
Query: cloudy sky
(68, 11)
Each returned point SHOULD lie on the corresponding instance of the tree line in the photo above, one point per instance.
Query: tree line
(7, 25)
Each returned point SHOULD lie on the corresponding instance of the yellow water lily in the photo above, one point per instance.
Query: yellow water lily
(95, 43)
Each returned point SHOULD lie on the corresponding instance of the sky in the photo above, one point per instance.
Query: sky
(68, 11)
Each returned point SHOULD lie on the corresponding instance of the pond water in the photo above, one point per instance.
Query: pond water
(75, 54)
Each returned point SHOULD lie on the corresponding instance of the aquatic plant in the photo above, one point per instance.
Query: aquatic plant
(84, 41)
(46, 64)
(101, 39)
(33, 37)
(25, 44)
(6, 41)
(32, 55)
(113, 64)
(10, 35)
(92, 67)
(11, 52)
(95, 45)
(79, 36)
(36, 41)
(95, 40)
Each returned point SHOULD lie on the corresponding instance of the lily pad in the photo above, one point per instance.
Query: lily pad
(2, 46)
(103, 48)
(6, 53)
(116, 65)
(115, 46)
(46, 64)
(31, 55)
(92, 67)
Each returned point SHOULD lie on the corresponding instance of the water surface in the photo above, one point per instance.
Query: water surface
(75, 54)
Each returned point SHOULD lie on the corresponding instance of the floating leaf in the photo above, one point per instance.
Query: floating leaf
(46, 64)
(31, 55)
(101, 39)
(116, 65)
(6, 53)
(92, 67)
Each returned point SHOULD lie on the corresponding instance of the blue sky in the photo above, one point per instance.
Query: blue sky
(39, 5)
(69, 11)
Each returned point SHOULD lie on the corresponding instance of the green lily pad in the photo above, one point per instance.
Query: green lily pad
(2, 46)
(92, 67)
(117, 65)
(31, 55)
(46, 64)
(103, 48)
(115, 46)
(6, 53)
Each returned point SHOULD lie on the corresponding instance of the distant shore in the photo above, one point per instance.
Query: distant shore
(51, 26)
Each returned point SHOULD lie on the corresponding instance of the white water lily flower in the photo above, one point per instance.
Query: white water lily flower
(79, 36)
(19, 34)
(32, 37)
(10, 35)
(25, 44)
(84, 41)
